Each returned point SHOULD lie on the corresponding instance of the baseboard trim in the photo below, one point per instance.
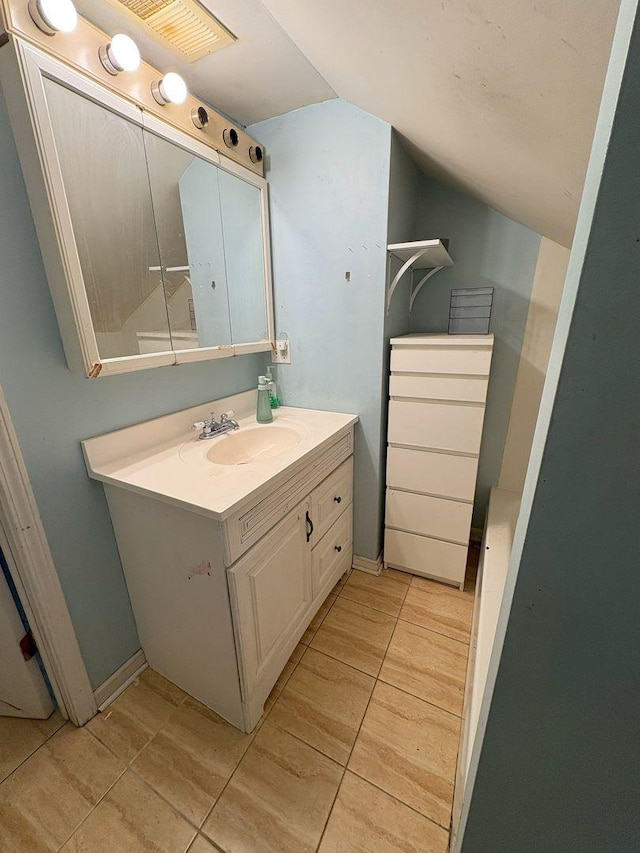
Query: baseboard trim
(364, 564)
(110, 689)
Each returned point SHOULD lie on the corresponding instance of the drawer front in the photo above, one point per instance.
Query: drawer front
(332, 556)
(425, 556)
(429, 516)
(467, 389)
(432, 473)
(330, 498)
(473, 361)
(249, 524)
(443, 426)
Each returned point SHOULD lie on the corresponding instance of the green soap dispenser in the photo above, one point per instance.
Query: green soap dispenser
(264, 415)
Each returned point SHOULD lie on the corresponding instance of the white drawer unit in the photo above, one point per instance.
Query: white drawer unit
(437, 389)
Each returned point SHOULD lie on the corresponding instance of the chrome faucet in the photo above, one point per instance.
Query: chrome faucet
(213, 428)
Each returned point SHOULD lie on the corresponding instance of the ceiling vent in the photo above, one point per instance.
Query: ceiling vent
(186, 25)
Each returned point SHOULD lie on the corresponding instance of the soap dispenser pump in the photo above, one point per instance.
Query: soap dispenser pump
(264, 415)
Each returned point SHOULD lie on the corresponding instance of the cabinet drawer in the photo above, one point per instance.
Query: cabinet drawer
(332, 556)
(330, 498)
(425, 556)
(245, 527)
(474, 361)
(432, 473)
(470, 389)
(429, 516)
(444, 426)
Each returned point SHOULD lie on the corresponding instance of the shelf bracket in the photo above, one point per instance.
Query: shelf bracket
(416, 290)
(396, 279)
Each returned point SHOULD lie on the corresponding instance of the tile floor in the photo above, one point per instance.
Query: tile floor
(356, 752)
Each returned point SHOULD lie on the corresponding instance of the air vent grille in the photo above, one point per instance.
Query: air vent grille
(186, 25)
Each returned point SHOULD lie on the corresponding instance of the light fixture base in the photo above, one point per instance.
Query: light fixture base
(39, 20)
(157, 94)
(107, 64)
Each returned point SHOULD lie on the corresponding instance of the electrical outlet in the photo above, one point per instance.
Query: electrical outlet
(282, 352)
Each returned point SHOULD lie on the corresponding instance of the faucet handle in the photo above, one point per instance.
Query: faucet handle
(226, 416)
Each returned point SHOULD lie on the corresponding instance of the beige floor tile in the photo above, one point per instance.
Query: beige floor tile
(20, 738)
(323, 704)
(134, 718)
(278, 799)
(397, 575)
(428, 665)
(48, 796)
(355, 634)
(201, 845)
(285, 675)
(439, 607)
(131, 819)
(408, 748)
(382, 592)
(366, 820)
(191, 759)
(317, 620)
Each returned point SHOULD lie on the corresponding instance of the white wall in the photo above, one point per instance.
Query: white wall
(548, 284)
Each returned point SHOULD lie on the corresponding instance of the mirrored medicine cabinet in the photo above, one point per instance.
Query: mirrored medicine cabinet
(156, 246)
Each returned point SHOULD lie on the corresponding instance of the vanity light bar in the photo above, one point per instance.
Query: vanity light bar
(121, 54)
(113, 61)
(170, 89)
(53, 16)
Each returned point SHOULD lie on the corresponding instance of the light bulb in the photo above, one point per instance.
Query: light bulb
(121, 54)
(53, 16)
(171, 89)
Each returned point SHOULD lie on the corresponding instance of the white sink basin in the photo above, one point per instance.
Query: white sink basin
(253, 445)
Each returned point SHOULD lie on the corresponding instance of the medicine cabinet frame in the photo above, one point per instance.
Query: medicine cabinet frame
(22, 70)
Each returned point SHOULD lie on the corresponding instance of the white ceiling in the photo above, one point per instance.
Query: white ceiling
(261, 75)
(499, 97)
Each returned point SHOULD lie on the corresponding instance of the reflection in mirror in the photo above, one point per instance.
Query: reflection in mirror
(189, 230)
(242, 225)
(103, 166)
(209, 226)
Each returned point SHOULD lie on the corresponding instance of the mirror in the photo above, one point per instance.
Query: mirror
(209, 226)
(104, 171)
(171, 245)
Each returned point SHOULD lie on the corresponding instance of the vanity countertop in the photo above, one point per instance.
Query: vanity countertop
(164, 458)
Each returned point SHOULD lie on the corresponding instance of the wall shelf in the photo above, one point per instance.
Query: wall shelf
(431, 255)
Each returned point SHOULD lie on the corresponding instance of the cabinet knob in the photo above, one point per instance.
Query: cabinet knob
(338, 499)
(338, 548)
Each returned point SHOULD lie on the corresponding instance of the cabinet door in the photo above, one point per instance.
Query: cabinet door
(271, 594)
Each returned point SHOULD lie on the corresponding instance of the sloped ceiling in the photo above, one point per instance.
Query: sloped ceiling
(499, 97)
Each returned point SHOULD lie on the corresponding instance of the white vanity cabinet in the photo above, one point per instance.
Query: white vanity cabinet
(221, 602)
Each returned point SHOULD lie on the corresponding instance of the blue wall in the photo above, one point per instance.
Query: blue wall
(489, 250)
(558, 769)
(329, 183)
(52, 409)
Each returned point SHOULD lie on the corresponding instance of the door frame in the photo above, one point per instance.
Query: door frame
(24, 544)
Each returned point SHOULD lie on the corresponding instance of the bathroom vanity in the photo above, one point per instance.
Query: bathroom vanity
(229, 545)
